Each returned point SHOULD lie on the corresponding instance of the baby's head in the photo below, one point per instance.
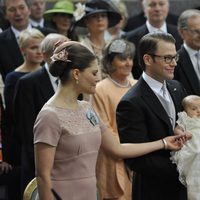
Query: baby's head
(191, 105)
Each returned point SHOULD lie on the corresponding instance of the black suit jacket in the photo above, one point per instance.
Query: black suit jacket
(185, 73)
(140, 19)
(32, 92)
(135, 36)
(142, 118)
(10, 56)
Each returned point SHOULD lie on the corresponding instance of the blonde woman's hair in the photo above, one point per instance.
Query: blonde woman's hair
(27, 35)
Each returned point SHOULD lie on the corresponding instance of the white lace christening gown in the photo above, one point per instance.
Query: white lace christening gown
(188, 158)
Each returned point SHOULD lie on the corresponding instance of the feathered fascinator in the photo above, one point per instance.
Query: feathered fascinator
(60, 52)
(118, 46)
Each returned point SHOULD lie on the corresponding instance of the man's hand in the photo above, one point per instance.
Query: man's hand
(5, 167)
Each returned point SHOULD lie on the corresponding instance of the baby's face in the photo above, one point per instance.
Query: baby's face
(193, 109)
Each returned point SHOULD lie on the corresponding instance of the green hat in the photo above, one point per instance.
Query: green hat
(63, 6)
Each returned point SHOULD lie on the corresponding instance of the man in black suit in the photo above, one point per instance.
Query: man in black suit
(138, 20)
(17, 12)
(4, 23)
(156, 12)
(32, 91)
(9, 173)
(147, 112)
(188, 66)
(37, 9)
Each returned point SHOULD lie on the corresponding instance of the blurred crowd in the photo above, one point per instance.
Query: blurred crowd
(28, 37)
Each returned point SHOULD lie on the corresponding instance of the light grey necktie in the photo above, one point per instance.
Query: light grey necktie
(165, 93)
(168, 105)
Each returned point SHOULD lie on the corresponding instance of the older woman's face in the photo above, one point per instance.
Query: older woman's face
(122, 66)
(97, 22)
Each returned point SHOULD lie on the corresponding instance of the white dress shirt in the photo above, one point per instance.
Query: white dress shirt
(17, 32)
(152, 29)
(52, 78)
(36, 24)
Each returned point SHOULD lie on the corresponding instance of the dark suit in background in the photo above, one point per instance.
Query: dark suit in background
(185, 73)
(11, 178)
(32, 92)
(187, 70)
(142, 118)
(140, 19)
(10, 56)
(135, 36)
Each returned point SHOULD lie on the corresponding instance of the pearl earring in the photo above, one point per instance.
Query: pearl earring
(77, 82)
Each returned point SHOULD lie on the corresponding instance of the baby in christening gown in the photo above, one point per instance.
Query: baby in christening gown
(188, 158)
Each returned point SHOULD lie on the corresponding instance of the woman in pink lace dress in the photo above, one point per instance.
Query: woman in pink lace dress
(68, 133)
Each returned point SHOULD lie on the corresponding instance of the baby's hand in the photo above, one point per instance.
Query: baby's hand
(184, 137)
(188, 135)
(178, 130)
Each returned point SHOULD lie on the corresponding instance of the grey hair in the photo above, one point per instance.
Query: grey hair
(185, 15)
(48, 43)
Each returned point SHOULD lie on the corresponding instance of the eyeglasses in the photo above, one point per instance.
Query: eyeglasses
(168, 59)
(193, 31)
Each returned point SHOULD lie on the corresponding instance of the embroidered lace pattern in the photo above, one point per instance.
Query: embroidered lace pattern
(75, 121)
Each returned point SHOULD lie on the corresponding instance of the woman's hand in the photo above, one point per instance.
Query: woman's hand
(5, 167)
(176, 142)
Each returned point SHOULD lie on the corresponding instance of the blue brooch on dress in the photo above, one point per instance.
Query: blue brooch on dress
(92, 117)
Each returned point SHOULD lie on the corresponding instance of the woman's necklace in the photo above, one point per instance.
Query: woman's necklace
(97, 47)
(120, 85)
(97, 50)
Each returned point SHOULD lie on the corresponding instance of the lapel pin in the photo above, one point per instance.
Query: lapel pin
(92, 117)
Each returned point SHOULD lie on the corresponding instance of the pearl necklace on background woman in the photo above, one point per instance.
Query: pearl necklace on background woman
(119, 84)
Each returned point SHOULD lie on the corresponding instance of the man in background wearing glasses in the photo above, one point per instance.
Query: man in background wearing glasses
(148, 112)
(188, 66)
